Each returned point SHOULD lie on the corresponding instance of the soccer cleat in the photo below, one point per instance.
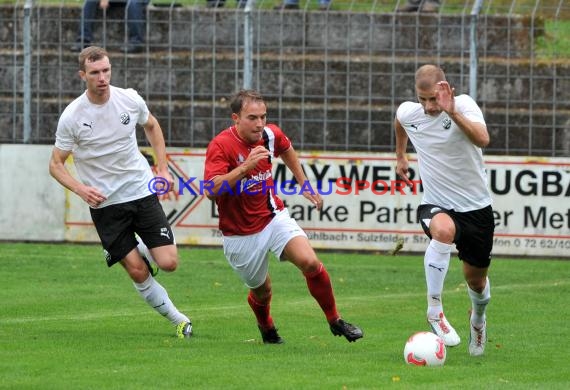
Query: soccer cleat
(270, 336)
(443, 329)
(184, 329)
(342, 328)
(477, 339)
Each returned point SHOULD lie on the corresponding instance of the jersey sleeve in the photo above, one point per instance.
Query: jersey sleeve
(216, 163)
(64, 136)
(141, 104)
(467, 106)
(403, 112)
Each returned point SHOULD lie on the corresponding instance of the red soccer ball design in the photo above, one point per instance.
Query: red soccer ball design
(425, 349)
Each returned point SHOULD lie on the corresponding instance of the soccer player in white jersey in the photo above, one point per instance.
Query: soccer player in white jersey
(99, 129)
(448, 133)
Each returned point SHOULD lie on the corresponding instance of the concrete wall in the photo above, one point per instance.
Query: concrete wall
(333, 79)
(33, 204)
(183, 27)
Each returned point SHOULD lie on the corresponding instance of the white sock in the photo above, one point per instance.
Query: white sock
(144, 251)
(479, 304)
(157, 298)
(436, 264)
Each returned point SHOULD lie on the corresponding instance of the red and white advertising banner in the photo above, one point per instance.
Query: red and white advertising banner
(367, 207)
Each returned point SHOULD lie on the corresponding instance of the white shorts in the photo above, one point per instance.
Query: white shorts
(249, 255)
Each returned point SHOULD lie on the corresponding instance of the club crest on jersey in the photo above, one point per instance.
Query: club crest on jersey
(446, 123)
(240, 159)
(125, 118)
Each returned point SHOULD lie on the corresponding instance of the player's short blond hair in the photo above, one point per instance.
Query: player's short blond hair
(91, 54)
(428, 75)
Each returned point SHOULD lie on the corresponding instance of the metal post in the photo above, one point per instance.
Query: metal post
(27, 71)
(473, 49)
(248, 45)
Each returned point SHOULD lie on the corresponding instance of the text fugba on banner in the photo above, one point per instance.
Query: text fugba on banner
(341, 186)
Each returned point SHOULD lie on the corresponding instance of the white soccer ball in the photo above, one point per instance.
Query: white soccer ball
(425, 349)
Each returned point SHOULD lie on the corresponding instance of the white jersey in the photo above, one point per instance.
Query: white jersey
(103, 141)
(451, 166)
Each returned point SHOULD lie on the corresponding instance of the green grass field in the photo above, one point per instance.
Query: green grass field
(68, 322)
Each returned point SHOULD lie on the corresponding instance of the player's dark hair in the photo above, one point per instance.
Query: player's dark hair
(243, 96)
(91, 54)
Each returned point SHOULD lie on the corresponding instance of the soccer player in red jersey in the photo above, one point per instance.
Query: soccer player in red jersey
(254, 220)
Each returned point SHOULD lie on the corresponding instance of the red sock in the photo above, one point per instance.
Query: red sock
(319, 284)
(261, 311)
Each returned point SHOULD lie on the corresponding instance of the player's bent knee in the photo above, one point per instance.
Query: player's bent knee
(442, 228)
(310, 266)
(166, 257)
(443, 234)
(169, 264)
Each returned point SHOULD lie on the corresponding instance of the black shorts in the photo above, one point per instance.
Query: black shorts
(117, 224)
(473, 232)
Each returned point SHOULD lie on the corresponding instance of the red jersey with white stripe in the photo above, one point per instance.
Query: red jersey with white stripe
(250, 205)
